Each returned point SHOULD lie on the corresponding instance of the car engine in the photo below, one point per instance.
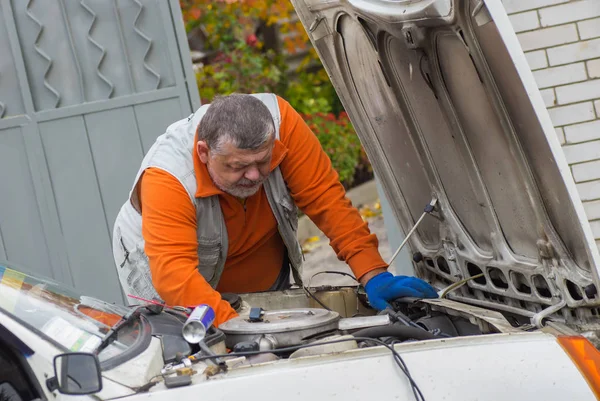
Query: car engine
(291, 324)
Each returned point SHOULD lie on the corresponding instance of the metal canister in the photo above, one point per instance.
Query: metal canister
(195, 327)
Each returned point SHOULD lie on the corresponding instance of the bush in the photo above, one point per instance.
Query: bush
(241, 69)
(312, 92)
(241, 63)
(338, 140)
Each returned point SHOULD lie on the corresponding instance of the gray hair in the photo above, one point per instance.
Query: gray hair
(240, 119)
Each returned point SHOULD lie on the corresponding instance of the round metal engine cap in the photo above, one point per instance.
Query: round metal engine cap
(281, 321)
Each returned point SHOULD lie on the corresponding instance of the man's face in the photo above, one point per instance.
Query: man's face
(238, 172)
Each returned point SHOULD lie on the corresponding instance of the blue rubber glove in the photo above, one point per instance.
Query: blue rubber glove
(386, 287)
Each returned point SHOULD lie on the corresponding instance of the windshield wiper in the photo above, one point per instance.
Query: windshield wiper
(126, 319)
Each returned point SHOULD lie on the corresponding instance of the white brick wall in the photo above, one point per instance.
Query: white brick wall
(547, 37)
(593, 67)
(589, 90)
(560, 133)
(537, 59)
(582, 132)
(561, 40)
(582, 152)
(592, 210)
(587, 171)
(571, 12)
(589, 28)
(525, 21)
(572, 113)
(582, 50)
(589, 191)
(515, 6)
(565, 74)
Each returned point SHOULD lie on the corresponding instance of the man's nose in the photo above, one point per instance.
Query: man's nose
(252, 174)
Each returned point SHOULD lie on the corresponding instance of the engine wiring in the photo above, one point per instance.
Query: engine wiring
(401, 317)
(331, 272)
(317, 300)
(397, 359)
(313, 296)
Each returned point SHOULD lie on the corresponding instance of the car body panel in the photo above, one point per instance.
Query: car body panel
(443, 369)
(444, 102)
(506, 366)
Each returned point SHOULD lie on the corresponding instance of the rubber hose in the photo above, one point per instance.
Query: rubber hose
(401, 332)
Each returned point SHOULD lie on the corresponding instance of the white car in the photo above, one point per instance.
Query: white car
(445, 104)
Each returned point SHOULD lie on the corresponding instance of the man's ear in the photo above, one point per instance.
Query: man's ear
(202, 149)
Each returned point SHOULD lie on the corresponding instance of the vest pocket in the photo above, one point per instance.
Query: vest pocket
(139, 278)
(209, 253)
(133, 269)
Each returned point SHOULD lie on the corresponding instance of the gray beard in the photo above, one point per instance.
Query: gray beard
(237, 191)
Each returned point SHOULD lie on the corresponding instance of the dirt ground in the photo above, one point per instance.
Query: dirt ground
(319, 256)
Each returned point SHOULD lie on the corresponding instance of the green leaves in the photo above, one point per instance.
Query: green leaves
(242, 64)
(311, 93)
(240, 69)
(338, 139)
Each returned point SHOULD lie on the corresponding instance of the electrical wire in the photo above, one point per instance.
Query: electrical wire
(317, 300)
(331, 272)
(313, 296)
(150, 383)
(143, 388)
(397, 358)
(402, 318)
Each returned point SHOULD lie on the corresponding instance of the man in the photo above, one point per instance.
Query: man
(214, 205)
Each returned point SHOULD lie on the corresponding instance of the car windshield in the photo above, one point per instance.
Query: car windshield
(74, 321)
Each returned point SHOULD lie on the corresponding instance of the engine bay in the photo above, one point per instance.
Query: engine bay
(291, 318)
(296, 323)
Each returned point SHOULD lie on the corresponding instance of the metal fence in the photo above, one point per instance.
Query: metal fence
(85, 88)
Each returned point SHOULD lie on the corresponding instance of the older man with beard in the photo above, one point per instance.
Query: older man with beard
(213, 209)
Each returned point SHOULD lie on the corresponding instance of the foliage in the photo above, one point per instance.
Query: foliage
(338, 140)
(228, 21)
(312, 92)
(240, 62)
(241, 70)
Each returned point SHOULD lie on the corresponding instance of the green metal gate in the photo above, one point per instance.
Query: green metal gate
(85, 88)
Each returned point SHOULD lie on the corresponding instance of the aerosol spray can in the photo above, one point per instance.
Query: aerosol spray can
(195, 328)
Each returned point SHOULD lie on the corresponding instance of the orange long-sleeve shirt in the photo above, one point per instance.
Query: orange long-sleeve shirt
(256, 249)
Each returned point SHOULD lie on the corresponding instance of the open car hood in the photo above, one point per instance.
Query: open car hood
(444, 102)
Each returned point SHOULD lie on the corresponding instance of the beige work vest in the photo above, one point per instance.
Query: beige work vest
(173, 153)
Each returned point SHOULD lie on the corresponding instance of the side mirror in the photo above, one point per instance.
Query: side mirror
(76, 373)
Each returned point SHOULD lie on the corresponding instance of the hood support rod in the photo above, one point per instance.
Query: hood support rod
(428, 209)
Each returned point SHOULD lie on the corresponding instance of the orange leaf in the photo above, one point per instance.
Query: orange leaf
(195, 13)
